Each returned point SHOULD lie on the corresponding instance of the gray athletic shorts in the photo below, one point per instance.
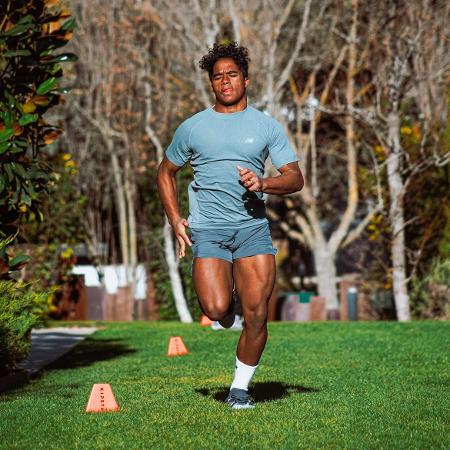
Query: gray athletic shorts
(230, 244)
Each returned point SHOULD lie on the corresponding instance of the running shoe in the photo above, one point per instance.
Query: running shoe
(237, 325)
(239, 399)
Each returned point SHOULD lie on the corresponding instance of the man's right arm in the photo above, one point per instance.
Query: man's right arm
(167, 188)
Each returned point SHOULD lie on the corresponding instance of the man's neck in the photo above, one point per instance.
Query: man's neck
(239, 106)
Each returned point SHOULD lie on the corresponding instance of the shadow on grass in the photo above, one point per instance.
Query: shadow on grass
(261, 392)
(66, 390)
(90, 351)
(83, 354)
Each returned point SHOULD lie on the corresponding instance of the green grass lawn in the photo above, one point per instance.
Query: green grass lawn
(319, 385)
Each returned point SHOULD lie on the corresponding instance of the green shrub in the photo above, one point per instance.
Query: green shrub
(20, 311)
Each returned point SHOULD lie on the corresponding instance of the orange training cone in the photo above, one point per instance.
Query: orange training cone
(176, 347)
(205, 321)
(102, 399)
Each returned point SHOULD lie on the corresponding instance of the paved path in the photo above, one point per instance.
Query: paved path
(47, 345)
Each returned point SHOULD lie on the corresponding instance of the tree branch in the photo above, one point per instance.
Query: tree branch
(284, 77)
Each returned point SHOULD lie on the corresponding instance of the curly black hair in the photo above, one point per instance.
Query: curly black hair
(231, 50)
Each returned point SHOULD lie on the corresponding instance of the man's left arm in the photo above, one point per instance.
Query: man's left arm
(290, 180)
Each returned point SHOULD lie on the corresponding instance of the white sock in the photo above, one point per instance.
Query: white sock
(242, 375)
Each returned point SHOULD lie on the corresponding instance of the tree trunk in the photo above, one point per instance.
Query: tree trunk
(121, 207)
(326, 276)
(129, 190)
(130, 195)
(397, 219)
(169, 248)
(175, 279)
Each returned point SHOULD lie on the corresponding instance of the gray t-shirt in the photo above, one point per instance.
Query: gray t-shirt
(214, 144)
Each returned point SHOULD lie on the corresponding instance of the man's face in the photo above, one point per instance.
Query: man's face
(228, 82)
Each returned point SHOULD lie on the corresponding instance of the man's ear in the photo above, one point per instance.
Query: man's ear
(246, 82)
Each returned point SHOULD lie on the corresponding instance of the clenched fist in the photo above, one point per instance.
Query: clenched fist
(250, 180)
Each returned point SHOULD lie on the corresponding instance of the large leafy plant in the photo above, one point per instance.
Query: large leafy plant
(31, 33)
(20, 311)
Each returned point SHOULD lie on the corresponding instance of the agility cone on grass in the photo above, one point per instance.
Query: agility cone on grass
(205, 321)
(102, 399)
(176, 347)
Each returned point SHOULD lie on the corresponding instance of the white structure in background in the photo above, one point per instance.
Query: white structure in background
(113, 278)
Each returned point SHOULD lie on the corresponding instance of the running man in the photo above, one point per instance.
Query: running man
(227, 145)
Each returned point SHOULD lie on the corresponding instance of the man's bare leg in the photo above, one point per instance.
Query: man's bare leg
(213, 283)
(254, 277)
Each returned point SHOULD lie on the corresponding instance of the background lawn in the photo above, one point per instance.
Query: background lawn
(320, 385)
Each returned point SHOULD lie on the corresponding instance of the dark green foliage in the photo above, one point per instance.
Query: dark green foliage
(10, 265)
(51, 262)
(444, 243)
(30, 73)
(20, 311)
(430, 295)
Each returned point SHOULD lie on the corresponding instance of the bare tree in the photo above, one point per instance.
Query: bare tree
(104, 123)
(319, 48)
(316, 66)
(160, 81)
(409, 66)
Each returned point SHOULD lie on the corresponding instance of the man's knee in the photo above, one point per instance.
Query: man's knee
(215, 309)
(256, 317)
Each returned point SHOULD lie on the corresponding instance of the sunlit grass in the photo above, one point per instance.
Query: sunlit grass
(319, 385)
